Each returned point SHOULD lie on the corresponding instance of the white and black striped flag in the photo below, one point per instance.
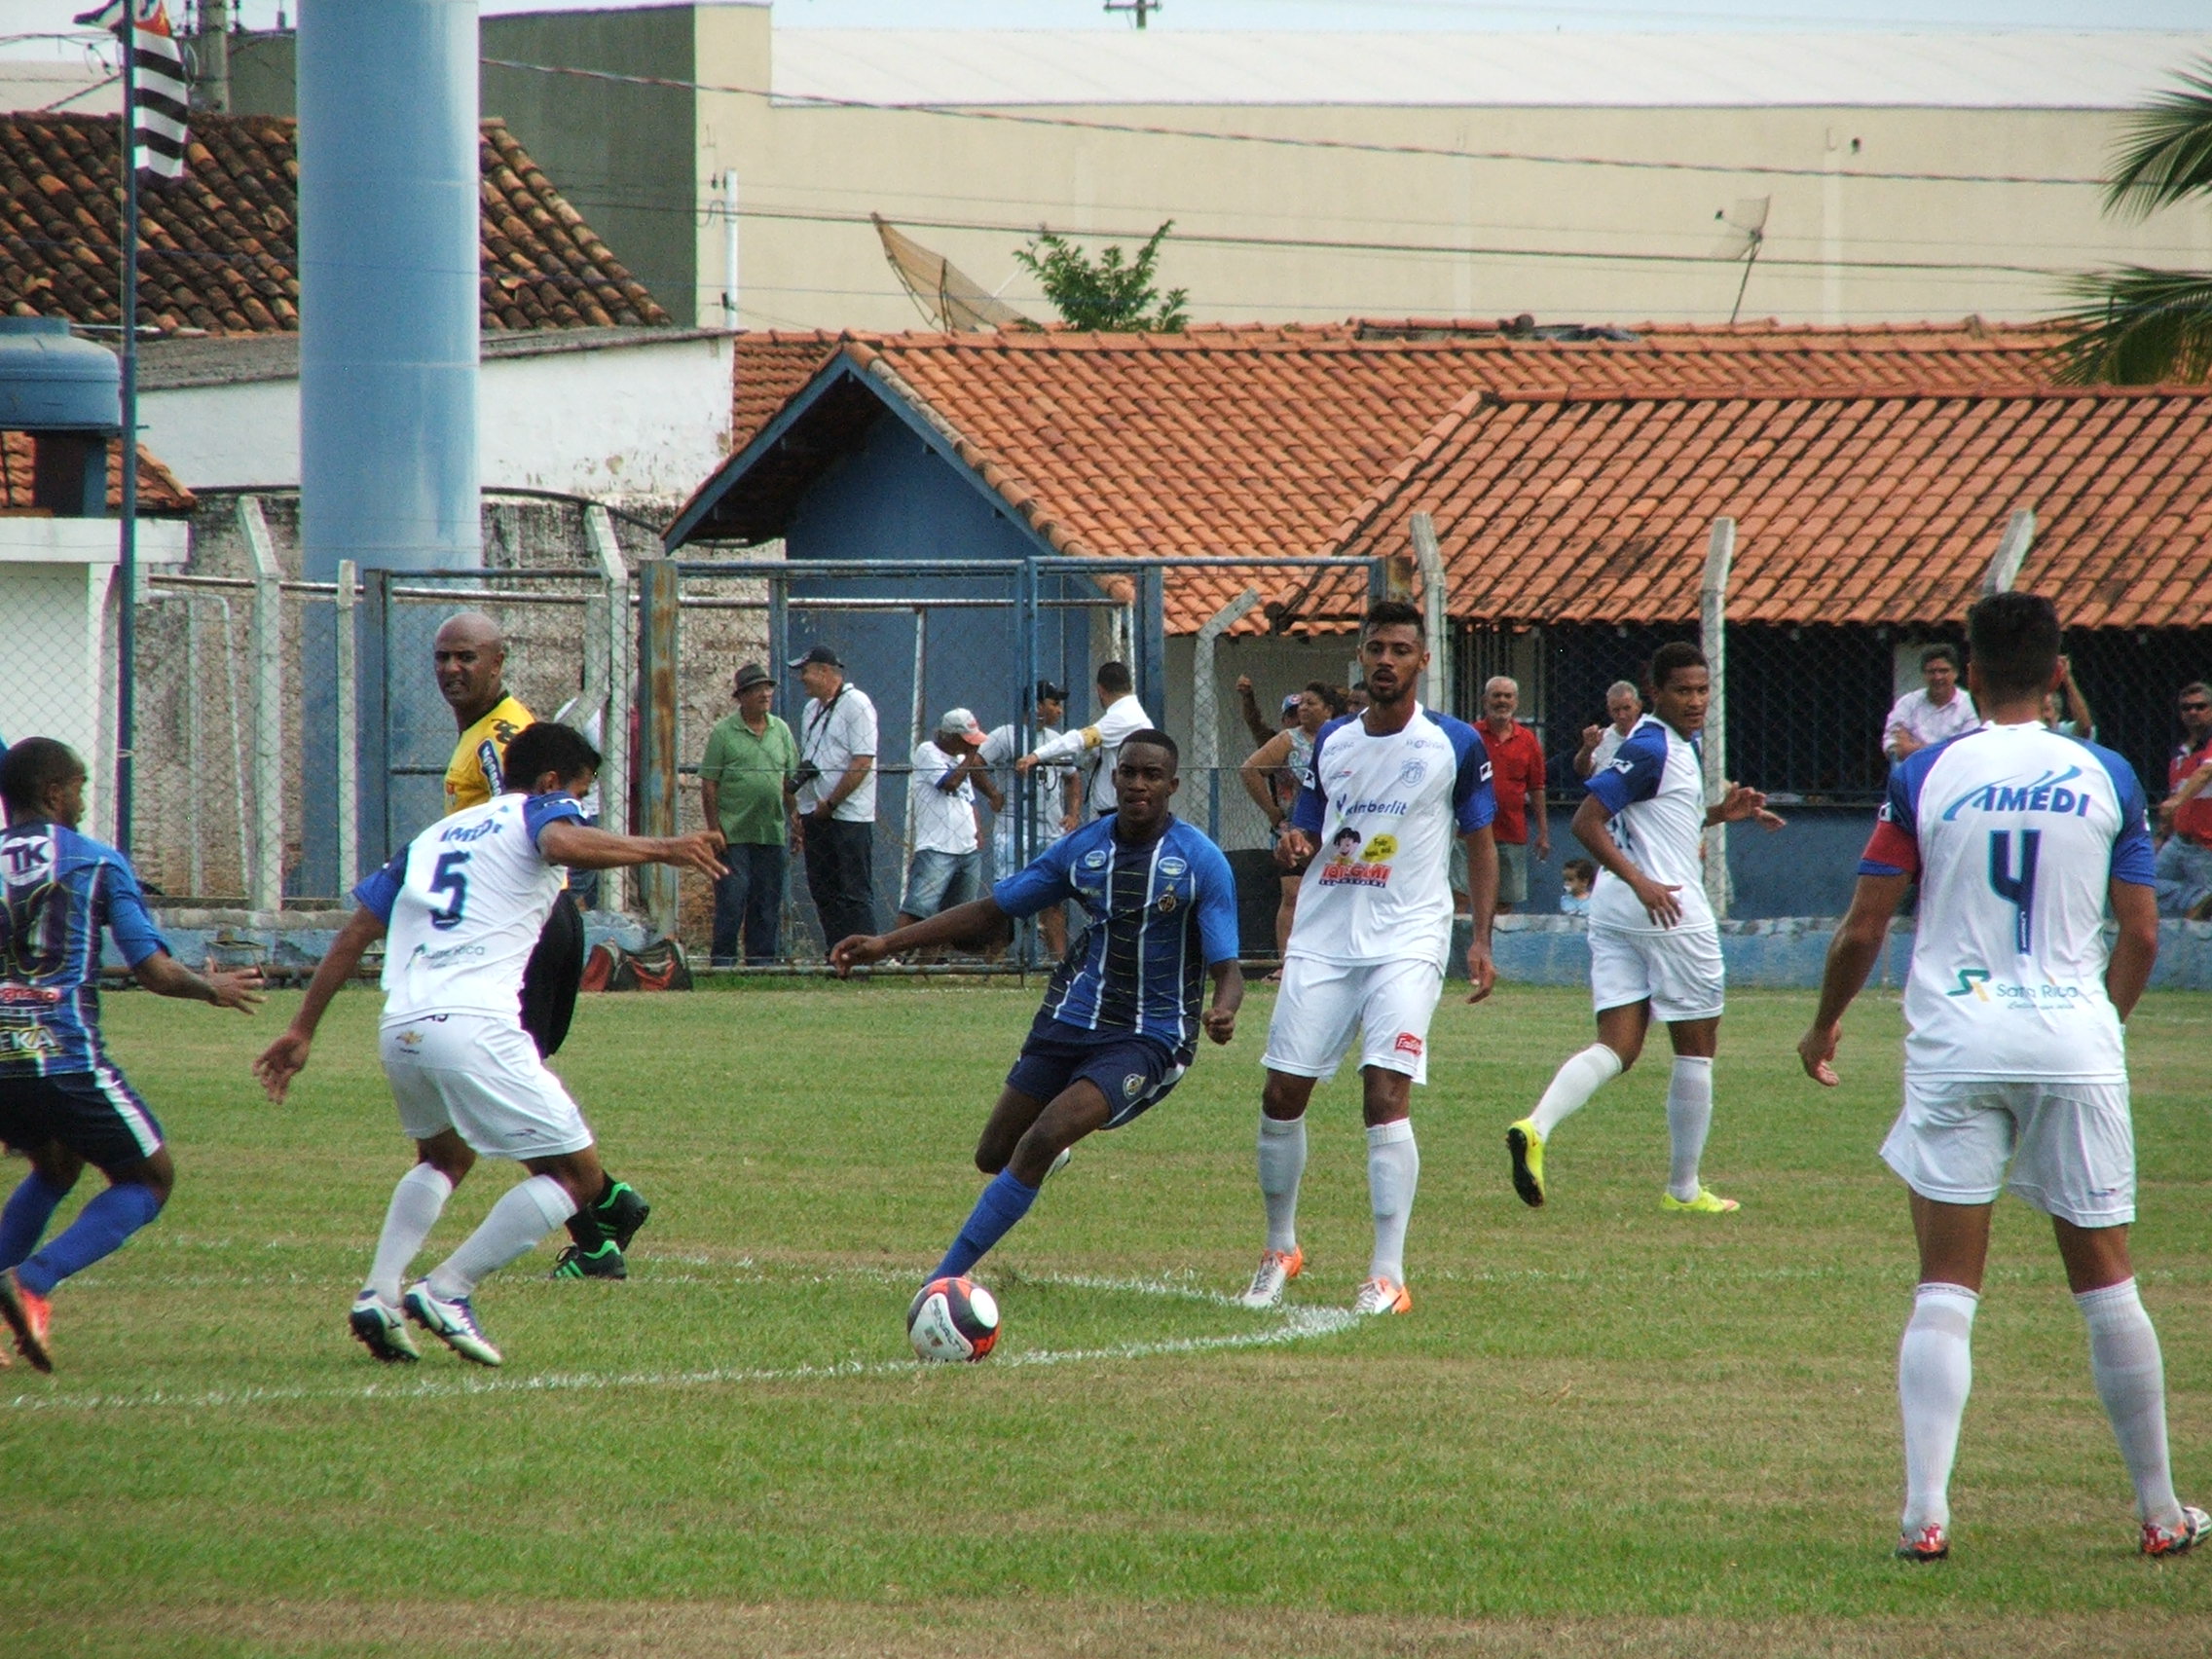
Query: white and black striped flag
(159, 102)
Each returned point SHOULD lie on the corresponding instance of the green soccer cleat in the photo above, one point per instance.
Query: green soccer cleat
(621, 1213)
(1707, 1203)
(1528, 1150)
(605, 1261)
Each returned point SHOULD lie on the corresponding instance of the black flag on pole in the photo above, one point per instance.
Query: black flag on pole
(160, 103)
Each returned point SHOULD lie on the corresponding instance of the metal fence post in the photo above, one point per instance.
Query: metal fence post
(348, 733)
(1713, 616)
(1205, 721)
(1151, 641)
(1429, 560)
(375, 783)
(266, 891)
(614, 731)
(659, 595)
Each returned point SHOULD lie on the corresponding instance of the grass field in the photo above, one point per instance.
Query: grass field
(1602, 1429)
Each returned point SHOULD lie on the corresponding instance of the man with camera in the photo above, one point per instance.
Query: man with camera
(837, 795)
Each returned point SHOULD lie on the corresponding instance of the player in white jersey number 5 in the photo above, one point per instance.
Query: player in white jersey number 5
(460, 909)
(1382, 795)
(1654, 943)
(2015, 1064)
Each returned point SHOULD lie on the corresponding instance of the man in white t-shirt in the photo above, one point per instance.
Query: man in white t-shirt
(947, 865)
(1049, 796)
(1094, 747)
(837, 795)
(2016, 1062)
(1383, 794)
(1941, 709)
(1624, 707)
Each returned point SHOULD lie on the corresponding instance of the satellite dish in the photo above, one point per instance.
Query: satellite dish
(947, 296)
(1742, 234)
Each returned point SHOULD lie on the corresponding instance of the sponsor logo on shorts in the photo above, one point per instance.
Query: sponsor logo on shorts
(1408, 1044)
(1132, 1085)
(409, 1039)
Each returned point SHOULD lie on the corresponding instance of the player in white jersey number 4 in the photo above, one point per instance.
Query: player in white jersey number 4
(2016, 1068)
(1654, 943)
(460, 909)
(1383, 792)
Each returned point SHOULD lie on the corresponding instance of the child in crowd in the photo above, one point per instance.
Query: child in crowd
(1577, 875)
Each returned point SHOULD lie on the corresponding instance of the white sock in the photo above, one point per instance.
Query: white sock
(1283, 1164)
(1690, 1115)
(2131, 1381)
(1934, 1373)
(416, 1203)
(1394, 1171)
(525, 1214)
(1572, 1084)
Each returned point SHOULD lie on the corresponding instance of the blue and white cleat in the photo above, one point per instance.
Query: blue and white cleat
(377, 1326)
(453, 1323)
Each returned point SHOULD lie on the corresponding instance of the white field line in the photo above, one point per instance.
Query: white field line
(1294, 1324)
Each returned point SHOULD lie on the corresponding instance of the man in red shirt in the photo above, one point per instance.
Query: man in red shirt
(2185, 817)
(1516, 775)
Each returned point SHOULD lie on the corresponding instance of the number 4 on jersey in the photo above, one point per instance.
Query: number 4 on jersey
(2016, 890)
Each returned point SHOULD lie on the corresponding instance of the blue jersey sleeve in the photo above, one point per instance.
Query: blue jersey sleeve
(1634, 771)
(1474, 803)
(1218, 931)
(1043, 883)
(2134, 857)
(127, 919)
(381, 890)
(555, 808)
(1311, 810)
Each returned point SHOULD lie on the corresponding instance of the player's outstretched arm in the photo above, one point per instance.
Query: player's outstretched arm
(286, 1057)
(976, 923)
(1852, 955)
(1482, 900)
(1742, 801)
(1220, 1017)
(580, 846)
(1593, 828)
(166, 976)
(2136, 908)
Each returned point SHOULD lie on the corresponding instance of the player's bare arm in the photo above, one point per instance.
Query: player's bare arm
(1220, 1018)
(1593, 828)
(2136, 949)
(581, 846)
(1294, 848)
(166, 976)
(1851, 954)
(286, 1057)
(1482, 899)
(1742, 802)
(977, 921)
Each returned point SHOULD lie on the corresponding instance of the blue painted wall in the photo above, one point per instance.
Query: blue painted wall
(1806, 870)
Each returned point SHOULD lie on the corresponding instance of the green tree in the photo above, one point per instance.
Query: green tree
(1109, 294)
(2135, 325)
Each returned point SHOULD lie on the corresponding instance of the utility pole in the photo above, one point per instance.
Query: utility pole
(211, 48)
(1136, 8)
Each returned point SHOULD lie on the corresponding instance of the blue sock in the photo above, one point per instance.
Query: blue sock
(100, 1230)
(1003, 1203)
(22, 1220)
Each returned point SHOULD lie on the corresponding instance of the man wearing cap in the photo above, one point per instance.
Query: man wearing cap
(947, 867)
(746, 783)
(1095, 746)
(837, 795)
(1051, 805)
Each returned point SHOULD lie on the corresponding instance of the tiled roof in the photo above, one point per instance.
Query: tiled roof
(1265, 440)
(1866, 509)
(219, 245)
(158, 492)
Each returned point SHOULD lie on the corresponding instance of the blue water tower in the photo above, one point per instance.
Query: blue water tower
(68, 394)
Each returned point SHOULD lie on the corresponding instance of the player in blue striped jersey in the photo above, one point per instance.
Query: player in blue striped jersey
(63, 1103)
(2015, 1065)
(1120, 1019)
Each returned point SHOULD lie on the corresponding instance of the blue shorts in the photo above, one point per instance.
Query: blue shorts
(95, 1114)
(1134, 1072)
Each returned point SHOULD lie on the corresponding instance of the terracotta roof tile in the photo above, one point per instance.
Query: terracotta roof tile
(158, 492)
(219, 248)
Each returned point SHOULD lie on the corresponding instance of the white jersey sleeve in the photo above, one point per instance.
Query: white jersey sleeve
(1655, 790)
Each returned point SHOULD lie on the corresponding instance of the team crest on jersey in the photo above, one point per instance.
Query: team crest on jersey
(1167, 902)
(1172, 868)
(1094, 861)
(1410, 774)
(1132, 1085)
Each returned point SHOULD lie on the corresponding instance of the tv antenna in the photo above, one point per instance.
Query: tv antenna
(1137, 9)
(1744, 237)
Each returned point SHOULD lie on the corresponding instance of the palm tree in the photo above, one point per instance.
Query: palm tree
(2135, 325)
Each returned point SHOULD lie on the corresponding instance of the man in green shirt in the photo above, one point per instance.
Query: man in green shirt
(746, 786)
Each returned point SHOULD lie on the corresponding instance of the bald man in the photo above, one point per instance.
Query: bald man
(470, 657)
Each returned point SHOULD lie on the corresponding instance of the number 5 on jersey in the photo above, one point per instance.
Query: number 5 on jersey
(448, 879)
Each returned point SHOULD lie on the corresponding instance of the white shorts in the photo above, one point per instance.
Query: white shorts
(2070, 1146)
(1320, 1002)
(1679, 971)
(481, 1074)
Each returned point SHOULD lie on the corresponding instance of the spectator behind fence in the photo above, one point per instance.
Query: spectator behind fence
(1050, 793)
(1355, 697)
(2072, 716)
(1942, 709)
(1624, 707)
(746, 786)
(1095, 748)
(947, 865)
(837, 795)
(1517, 779)
(2184, 871)
(1289, 752)
(1576, 878)
(1255, 723)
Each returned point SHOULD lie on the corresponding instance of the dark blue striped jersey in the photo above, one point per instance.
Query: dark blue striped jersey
(1161, 913)
(57, 891)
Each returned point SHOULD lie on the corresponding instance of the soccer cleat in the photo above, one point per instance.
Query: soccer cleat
(379, 1327)
(1528, 1150)
(1380, 1295)
(622, 1212)
(1061, 1162)
(2159, 1540)
(605, 1263)
(1277, 1268)
(1707, 1203)
(30, 1317)
(1933, 1543)
(453, 1323)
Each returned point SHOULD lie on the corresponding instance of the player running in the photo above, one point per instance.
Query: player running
(1384, 792)
(1120, 1021)
(1654, 944)
(63, 1103)
(2015, 1065)
(460, 907)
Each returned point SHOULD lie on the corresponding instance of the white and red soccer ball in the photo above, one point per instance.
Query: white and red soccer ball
(952, 1320)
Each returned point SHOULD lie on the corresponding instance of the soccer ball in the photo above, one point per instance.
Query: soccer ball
(952, 1319)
